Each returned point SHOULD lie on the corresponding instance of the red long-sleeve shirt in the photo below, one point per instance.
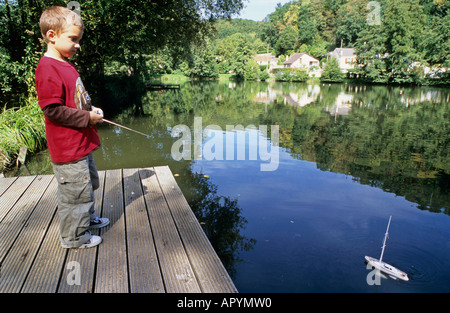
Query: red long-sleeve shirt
(64, 101)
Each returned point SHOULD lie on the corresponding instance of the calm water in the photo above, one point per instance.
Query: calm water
(347, 157)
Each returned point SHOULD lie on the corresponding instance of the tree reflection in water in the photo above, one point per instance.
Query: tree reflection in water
(220, 217)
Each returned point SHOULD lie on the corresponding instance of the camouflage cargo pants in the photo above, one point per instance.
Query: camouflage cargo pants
(76, 184)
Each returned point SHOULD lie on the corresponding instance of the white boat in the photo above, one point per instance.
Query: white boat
(383, 266)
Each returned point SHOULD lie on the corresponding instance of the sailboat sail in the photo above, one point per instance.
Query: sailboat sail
(385, 238)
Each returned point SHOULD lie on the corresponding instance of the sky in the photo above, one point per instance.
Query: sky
(257, 10)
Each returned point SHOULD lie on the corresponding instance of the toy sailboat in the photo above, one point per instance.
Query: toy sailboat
(384, 267)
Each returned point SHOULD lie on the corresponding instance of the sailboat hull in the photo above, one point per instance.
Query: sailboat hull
(387, 268)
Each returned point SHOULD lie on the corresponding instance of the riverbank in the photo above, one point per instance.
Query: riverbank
(21, 127)
(425, 82)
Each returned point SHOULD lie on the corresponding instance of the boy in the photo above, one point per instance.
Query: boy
(70, 126)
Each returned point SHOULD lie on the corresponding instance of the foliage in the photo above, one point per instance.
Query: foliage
(371, 54)
(19, 50)
(124, 30)
(10, 73)
(240, 55)
(306, 25)
(203, 64)
(225, 28)
(286, 41)
(317, 49)
(291, 75)
(263, 75)
(402, 46)
(21, 127)
(403, 32)
(350, 21)
(332, 72)
(252, 70)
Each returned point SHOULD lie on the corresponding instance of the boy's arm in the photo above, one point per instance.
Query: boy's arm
(70, 117)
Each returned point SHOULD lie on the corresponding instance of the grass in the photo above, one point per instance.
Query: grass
(21, 127)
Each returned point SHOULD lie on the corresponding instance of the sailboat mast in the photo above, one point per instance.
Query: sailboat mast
(385, 237)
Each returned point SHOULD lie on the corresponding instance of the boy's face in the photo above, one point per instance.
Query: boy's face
(67, 43)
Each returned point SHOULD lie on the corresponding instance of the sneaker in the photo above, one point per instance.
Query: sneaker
(92, 242)
(99, 222)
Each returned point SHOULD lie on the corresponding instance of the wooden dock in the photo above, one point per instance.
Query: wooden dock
(154, 243)
(154, 86)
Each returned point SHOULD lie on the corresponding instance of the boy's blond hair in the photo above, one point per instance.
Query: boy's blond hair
(59, 19)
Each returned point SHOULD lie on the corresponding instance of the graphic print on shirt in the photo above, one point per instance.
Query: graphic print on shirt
(82, 99)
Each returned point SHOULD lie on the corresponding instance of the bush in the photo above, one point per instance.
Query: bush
(332, 72)
(291, 75)
(13, 81)
(251, 70)
(263, 75)
(254, 71)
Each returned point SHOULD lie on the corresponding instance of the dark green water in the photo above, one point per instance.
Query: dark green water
(343, 159)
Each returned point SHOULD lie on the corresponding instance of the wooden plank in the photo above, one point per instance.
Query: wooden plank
(45, 273)
(16, 265)
(10, 196)
(112, 272)
(210, 271)
(16, 218)
(145, 274)
(162, 86)
(80, 264)
(5, 183)
(175, 266)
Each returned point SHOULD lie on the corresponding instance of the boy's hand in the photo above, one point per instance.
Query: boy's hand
(95, 116)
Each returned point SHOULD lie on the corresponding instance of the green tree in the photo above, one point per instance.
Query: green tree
(287, 40)
(239, 56)
(351, 19)
(307, 30)
(232, 50)
(226, 27)
(371, 51)
(324, 12)
(20, 49)
(251, 70)
(436, 41)
(274, 25)
(124, 30)
(332, 72)
(318, 49)
(403, 27)
(269, 33)
(204, 63)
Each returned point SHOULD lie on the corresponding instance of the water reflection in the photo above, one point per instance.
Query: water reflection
(221, 218)
(394, 138)
(347, 95)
